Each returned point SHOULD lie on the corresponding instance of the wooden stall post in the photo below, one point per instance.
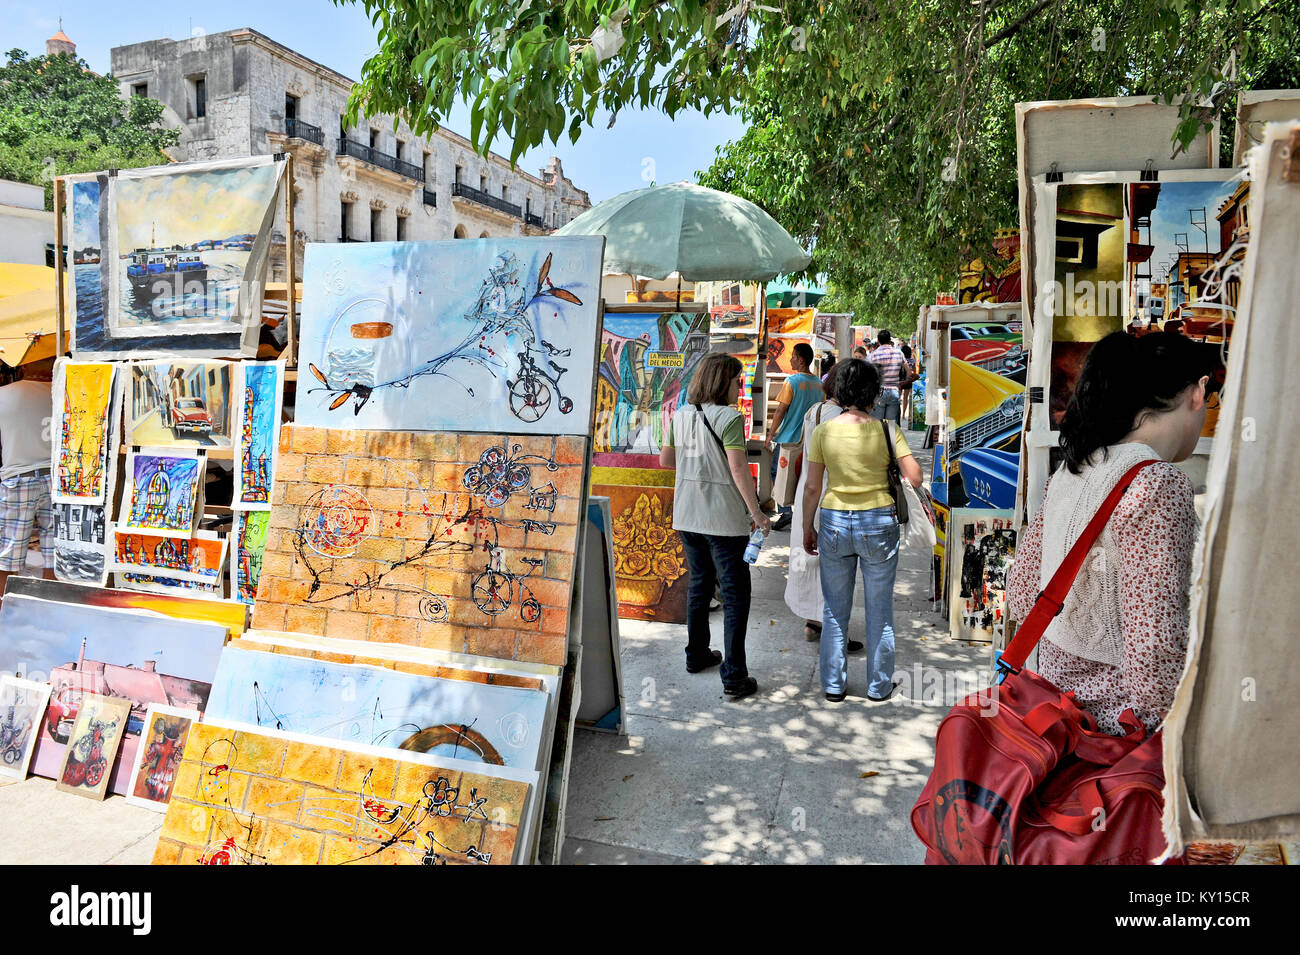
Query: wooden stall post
(291, 271)
(59, 265)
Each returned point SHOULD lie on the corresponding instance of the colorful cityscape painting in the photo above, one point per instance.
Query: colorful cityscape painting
(257, 434)
(163, 491)
(246, 554)
(81, 446)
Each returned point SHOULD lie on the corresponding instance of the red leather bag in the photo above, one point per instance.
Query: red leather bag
(1022, 775)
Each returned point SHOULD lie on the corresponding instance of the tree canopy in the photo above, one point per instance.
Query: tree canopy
(57, 117)
(881, 134)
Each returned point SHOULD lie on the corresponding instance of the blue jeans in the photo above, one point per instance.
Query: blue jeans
(714, 559)
(846, 538)
(888, 405)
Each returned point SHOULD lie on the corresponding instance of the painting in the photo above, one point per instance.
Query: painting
(650, 572)
(22, 708)
(435, 336)
(982, 544)
(660, 296)
(164, 491)
(232, 616)
(733, 318)
(81, 443)
(245, 796)
(780, 351)
(350, 703)
(132, 656)
(180, 403)
(93, 741)
(162, 742)
(80, 554)
(647, 360)
(89, 258)
(189, 243)
(246, 553)
(1143, 256)
(199, 559)
(155, 583)
(745, 348)
(257, 431)
(790, 321)
(996, 280)
(460, 542)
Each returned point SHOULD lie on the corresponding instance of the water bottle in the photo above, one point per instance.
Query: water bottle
(754, 546)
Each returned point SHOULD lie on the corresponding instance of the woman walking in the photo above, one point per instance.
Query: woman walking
(1119, 641)
(715, 506)
(856, 524)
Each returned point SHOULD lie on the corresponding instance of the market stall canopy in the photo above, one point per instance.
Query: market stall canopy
(27, 307)
(706, 235)
(782, 294)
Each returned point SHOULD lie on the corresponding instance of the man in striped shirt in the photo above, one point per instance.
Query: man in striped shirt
(892, 371)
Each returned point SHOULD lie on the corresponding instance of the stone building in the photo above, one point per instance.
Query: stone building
(239, 93)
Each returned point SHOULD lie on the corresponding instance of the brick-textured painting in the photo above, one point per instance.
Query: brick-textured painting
(461, 542)
(267, 799)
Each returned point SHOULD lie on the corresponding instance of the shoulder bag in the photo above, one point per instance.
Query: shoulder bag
(916, 518)
(1022, 775)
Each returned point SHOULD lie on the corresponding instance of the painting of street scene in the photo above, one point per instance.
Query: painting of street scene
(180, 403)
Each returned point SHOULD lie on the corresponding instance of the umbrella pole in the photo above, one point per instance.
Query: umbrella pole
(679, 291)
(58, 264)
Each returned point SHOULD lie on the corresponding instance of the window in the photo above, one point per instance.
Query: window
(343, 128)
(374, 225)
(343, 221)
(425, 165)
(401, 149)
(528, 206)
(374, 139)
(290, 108)
(482, 183)
(198, 95)
(458, 171)
(503, 191)
(401, 228)
(140, 89)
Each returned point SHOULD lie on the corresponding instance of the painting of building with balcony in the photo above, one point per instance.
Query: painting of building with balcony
(164, 491)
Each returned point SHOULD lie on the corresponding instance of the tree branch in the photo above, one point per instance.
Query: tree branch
(1014, 28)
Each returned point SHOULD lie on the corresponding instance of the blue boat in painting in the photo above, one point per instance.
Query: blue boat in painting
(177, 267)
(990, 477)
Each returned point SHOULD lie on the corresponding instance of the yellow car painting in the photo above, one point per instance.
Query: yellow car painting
(985, 411)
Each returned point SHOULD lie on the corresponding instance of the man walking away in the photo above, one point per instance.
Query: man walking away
(892, 365)
(25, 408)
(799, 393)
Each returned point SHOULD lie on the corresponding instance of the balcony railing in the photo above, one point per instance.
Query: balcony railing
(297, 129)
(430, 198)
(384, 161)
(534, 219)
(485, 199)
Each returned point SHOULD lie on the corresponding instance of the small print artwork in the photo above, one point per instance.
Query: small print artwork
(79, 553)
(92, 745)
(790, 321)
(780, 352)
(22, 707)
(198, 559)
(180, 403)
(162, 743)
(982, 544)
(246, 554)
(257, 434)
(163, 492)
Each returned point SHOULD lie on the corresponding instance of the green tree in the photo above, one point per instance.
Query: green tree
(880, 134)
(57, 117)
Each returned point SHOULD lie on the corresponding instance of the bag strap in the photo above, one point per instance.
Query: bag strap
(1052, 598)
(705, 419)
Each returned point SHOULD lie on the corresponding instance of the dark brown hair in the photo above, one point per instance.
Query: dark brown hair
(711, 383)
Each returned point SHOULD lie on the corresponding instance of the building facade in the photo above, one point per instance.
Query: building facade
(239, 93)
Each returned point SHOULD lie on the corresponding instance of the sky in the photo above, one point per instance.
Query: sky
(643, 145)
(1170, 217)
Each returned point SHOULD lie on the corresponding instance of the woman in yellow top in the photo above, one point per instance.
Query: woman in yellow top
(856, 524)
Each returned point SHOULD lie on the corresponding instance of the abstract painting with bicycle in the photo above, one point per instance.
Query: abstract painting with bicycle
(488, 335)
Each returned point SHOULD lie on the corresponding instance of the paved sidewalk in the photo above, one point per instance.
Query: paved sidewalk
(777, 777)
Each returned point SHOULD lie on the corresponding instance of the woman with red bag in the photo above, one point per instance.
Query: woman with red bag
(1120, 639)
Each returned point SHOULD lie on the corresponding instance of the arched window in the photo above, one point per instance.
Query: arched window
(459, 233)
(484, 235)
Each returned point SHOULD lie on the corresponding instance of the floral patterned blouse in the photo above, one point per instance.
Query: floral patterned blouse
(1155, 526)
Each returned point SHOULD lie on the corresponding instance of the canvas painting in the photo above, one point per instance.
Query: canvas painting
(80, 554)
(82, 436)
(650, 572)
(733, 318)
(790, 321)
(180, 403)
(93, 742)
(987, 370)
(647, 360)
(232, 616)
(162, 743)
(982, 544)
(257, 431)
(1143, 256)
(197, 559)
(155, 583)
(780, 351)
(348, 703)
(188, 241)
(89, 258)
(246, 553)
(495, 334)
(455, 541)
(245, 796)
(22, 708)
(136, 657)
(164, 491)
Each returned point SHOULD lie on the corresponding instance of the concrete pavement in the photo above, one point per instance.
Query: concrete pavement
(780, 777)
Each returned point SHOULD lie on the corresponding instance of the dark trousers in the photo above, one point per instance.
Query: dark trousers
(717, 560)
